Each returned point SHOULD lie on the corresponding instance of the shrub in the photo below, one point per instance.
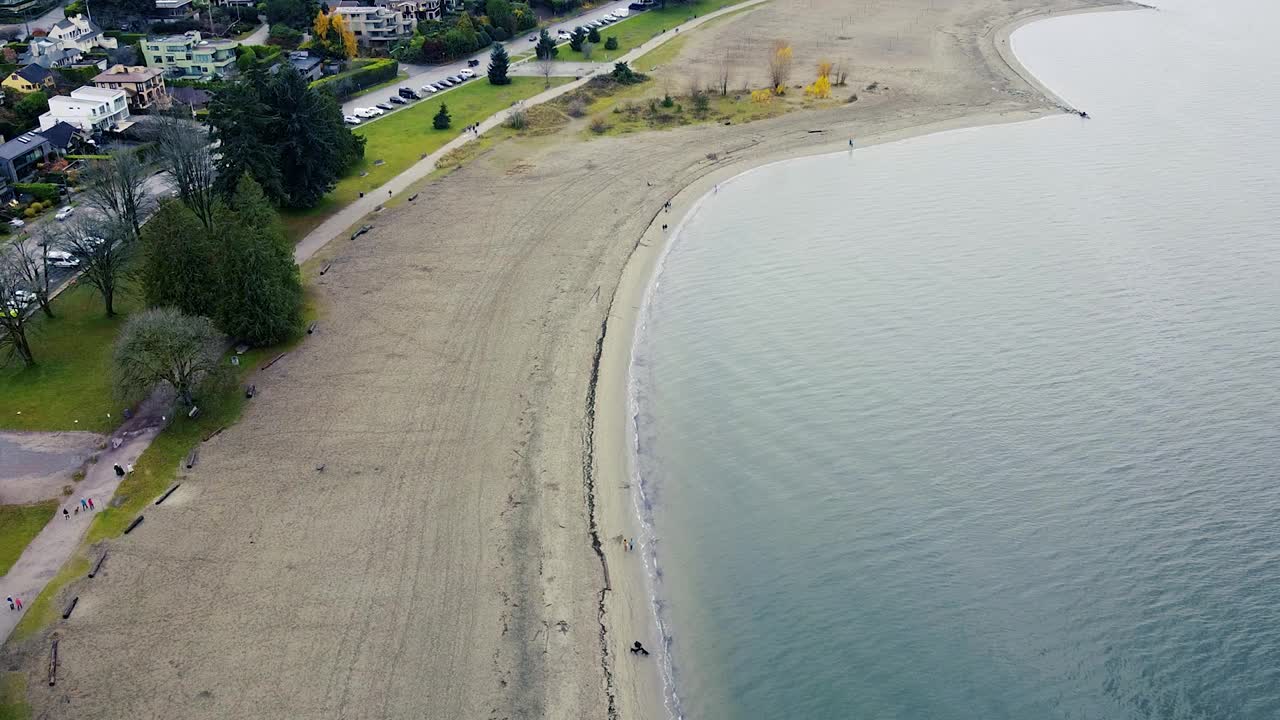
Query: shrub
(599, 125)
(611, 43)
(668, 101)
(44, 192)
(344, 85)
(516, 119)
(29, 212)
(593, 36)
(701, 103)
(577, 107)
(622, 73)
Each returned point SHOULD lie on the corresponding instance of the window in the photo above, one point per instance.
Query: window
(168, 58)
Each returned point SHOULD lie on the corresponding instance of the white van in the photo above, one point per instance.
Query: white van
(62, 259)
(621, 12)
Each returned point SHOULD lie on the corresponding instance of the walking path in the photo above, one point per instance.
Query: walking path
(51, 549)
(345, 218)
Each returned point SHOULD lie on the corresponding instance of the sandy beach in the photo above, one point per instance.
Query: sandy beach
(417, 516)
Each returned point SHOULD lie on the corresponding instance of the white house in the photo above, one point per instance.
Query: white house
(92, 109)
(81, 33)
(377, 26)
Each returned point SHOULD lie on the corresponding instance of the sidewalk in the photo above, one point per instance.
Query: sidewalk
(51, 549)
(347, 217)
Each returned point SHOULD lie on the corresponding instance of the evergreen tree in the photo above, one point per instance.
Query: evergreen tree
(261, 287)
(498, 63)
(593, 36)
(546, 48)
(441, 120)
(312, 145)
(579, 37)
(180, 262)
(241, 126)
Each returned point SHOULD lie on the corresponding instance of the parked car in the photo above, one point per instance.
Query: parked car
(533, 38)
(62, 259)
(454, 79)
(473, 62)
(383, 106)
(351, 119)
(564, 36)
(368, 112)
(445, 83)
(428, 88)
(639, 5)
(64, 213)
(23, 297)
(94, 241)
(17, 222)
(396, 99)
(620, 13)
(467, 74)
(408, 94)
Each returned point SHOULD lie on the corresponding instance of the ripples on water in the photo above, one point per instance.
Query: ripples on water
(984, 424)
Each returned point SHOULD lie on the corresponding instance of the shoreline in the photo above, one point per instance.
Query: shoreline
(628, 604)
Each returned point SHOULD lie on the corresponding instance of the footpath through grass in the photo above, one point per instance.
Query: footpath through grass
(402, 138)
(19, 524)
(72, 377)
(640, 27)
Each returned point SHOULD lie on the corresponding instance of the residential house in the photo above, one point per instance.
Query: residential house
(232, 3)
(92, 109)
(62, 136)
(188, 55)
(49, 53)
(421, 9)
(20, 156)
(80, 32)
(194, 98)
(455, 6)
(377, 27)
(307, 66)
(29, 79)
(173, 9)
(144, 86)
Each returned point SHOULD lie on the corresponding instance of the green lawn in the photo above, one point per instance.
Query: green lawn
(13, 697)
(72, 377)
(18, 525)
(400, 139)
(639, 27)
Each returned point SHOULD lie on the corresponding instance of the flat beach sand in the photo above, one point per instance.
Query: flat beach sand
(465, 395)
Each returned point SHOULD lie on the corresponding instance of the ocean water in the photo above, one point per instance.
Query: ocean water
(986, 424)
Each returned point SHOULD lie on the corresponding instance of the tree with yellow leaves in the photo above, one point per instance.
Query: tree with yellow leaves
(779, 66)
(821, 87)
(332, 34)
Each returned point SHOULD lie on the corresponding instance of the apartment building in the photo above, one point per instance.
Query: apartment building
(377, 26)
(189, 55)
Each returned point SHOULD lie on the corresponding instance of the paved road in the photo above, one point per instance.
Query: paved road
(45, 22)
(259, 36)
(420, 75)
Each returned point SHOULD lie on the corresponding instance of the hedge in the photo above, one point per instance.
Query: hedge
(344, 85)
(42, 192)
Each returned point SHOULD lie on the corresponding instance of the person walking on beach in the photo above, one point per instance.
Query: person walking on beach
(11, 605)
(119, 470)
(91, 504)
(18, 601)
(65, 515)
(84, 504)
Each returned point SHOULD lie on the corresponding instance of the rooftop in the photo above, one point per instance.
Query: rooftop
(21, 145)
(89, 92)
(34, 74)
(131, 74)
(171, 4)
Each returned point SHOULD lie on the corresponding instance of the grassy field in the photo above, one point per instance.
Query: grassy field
(641, 26)
(18, 525)
(13, 693)
(72, 377)
(402, 138)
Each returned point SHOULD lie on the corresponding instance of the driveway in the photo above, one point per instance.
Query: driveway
(44, 22)
(420, 75)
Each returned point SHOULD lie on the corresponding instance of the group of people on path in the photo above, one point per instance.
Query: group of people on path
(85, 504)
(15, 603)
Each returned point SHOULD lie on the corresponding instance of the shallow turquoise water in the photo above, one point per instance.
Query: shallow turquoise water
(985, 424)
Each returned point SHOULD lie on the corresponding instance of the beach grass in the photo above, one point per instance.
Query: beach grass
(72, 378)
(396, 141)
(19, 524)
(641, 27)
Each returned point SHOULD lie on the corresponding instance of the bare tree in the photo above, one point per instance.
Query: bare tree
(722, 80)
(545, 67)
(183, 147)
(162, 346)
(13, 317)
(841, 74)
(28, 263)
(117, 187)
(103, 249)
(780, 55)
